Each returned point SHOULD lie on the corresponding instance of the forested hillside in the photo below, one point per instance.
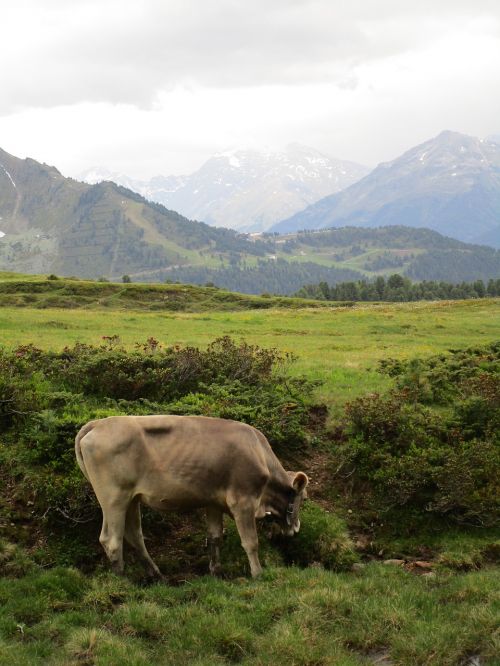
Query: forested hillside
(55, 224)
(350, 253)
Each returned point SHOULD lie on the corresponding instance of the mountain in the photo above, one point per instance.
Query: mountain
(157, 189)
(50, 223)
(450, 184)
(244, 189)
(53, 224)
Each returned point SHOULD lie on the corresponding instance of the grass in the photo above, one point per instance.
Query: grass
(340, 347)
(306, 617)
(71, 293)
(378, 613)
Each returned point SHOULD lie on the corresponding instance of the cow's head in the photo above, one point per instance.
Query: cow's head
(291, 521)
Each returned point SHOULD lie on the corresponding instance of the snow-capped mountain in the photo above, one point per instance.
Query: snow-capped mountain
(450, 183)
(155, 189)
(246, 190)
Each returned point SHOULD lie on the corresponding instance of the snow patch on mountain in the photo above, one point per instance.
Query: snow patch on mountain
(9, 176)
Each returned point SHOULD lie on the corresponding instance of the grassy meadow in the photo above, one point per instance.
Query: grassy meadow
(438, 604)
(338, 346)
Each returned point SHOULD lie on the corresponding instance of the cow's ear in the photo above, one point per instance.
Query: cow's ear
(300, 481)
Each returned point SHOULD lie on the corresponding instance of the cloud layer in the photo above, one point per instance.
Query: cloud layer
(180, 78)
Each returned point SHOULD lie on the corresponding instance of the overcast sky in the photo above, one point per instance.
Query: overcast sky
(156, 86)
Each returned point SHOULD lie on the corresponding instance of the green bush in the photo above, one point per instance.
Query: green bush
(323, 539)
(151, 371)
(407, 462)
(442, 378)
(281, 411)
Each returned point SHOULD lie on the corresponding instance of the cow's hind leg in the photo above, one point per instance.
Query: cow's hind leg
(215, 529)
(134, 537)
(113, 527)
(244, 516)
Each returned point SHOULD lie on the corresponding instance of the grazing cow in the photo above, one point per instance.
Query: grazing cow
(169, 462)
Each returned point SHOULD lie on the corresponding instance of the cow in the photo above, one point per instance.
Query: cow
(186, 462)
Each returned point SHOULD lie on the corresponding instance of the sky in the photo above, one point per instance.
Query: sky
(147, 87)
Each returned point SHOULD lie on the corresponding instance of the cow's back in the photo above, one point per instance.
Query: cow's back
(175, 460)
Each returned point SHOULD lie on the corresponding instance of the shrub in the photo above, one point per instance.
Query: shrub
(468, 483)
(477, 414)
(323, 539)
(281, 412)
(407, 462)
(151, 371)
(441, 378)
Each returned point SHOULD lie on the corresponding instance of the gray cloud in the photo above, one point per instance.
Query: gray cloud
(150, 86)
(125, 52)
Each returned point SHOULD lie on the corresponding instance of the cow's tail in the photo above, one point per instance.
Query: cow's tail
(78, 449)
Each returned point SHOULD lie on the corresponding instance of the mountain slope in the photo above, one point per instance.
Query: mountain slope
(246, 190)
(450, 183)
(346, 254)
(55, 224)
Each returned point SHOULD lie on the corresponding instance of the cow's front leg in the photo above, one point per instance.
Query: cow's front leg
(244, 517)
(214, 528)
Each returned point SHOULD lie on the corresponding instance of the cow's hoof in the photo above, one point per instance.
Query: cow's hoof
(155, 576)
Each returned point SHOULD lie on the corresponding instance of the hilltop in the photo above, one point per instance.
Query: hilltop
(42, 292)
(56, 224)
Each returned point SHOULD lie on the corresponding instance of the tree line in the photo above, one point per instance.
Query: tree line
(268, 276)
(399, 288)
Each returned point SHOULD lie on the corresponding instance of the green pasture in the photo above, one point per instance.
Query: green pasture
(446, 613)
(340, 346)
(380, 615)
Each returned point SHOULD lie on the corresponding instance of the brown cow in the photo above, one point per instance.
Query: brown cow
(169, 462)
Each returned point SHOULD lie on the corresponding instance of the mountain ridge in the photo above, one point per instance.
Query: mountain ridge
(246, 190)
(450, 183)
(54, 224)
